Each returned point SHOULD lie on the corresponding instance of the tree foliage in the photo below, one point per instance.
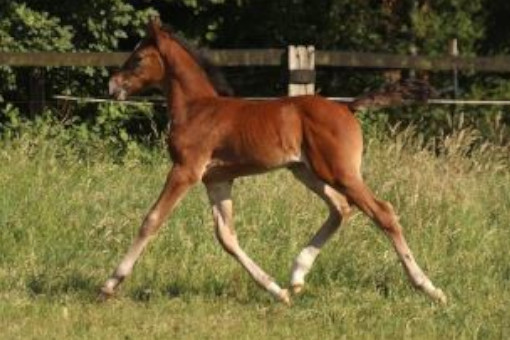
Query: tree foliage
(41, 25)
(390, 26)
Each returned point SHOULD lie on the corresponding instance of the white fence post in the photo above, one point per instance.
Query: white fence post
(301, 70)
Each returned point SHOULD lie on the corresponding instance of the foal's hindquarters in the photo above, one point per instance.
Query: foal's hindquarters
(333, 155)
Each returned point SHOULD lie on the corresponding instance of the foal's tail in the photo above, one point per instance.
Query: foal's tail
(404, 92)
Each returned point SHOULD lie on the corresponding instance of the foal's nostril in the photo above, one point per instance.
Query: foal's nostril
(113, 86)
(117, 88)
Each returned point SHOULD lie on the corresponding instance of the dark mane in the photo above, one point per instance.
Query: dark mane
(212, 71)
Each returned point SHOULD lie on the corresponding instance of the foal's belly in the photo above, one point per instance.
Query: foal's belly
(221, 170)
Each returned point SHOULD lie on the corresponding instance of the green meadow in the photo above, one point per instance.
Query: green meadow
(68, 212)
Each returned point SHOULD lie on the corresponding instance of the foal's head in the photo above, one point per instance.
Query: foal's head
(153, 62)
(144, 68)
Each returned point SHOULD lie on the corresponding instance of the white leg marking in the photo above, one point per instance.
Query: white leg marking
(302, 265)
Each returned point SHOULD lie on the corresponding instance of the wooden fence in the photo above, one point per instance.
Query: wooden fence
(301, 62)
(272, 57)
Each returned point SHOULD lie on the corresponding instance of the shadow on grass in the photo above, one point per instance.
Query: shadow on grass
(179, 289)
(44, 284)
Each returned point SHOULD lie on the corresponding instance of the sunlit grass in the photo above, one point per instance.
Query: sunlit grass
(65, 223)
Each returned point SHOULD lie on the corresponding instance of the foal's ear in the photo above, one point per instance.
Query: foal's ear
(154, 27)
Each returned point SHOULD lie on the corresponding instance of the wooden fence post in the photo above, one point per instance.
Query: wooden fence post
(413, 50)
(301, 70)
(454, 52)
(37, 91)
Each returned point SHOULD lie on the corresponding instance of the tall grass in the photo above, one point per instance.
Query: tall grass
(66, 218)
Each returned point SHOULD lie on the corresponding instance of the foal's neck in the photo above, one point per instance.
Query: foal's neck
(188, 82)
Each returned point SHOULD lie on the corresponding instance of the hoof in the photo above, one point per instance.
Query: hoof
(297, 288)
(105, 294)
(439, 296)
(285, 297)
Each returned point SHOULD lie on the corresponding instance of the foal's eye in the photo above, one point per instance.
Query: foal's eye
(135, 62)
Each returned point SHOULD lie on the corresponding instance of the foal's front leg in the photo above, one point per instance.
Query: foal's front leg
(221, 202)
(178, 182)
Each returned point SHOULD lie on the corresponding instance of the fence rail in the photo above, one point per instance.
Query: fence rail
(142, 101)
(300, 61)
(271, 57)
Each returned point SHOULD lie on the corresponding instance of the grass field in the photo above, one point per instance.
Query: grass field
(65, 221)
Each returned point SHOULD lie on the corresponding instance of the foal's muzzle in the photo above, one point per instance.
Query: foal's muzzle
(116, 88)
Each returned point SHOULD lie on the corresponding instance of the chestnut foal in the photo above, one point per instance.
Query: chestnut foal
(216, 139)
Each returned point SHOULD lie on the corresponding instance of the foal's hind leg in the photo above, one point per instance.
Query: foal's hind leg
(221, 202)
(178, 182)
(338, 211)
(384, 216)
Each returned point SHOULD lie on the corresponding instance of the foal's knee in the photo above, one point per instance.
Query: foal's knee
(339, 208)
